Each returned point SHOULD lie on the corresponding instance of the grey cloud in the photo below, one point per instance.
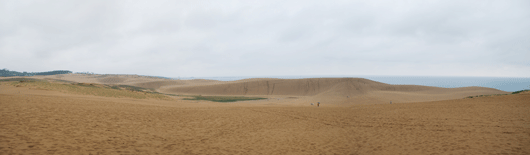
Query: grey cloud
(246, 38)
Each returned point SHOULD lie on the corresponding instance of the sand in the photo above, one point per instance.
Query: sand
(35, 121)
(340, 91)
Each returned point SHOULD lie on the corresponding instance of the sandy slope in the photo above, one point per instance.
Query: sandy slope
(104, 78)
(339, 91)
(333, 90)
(36, 121)
(134, 80)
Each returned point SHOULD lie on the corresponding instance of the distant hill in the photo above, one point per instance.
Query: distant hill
(5, 72)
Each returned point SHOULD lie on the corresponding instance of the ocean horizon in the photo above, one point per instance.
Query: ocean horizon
(509, 84)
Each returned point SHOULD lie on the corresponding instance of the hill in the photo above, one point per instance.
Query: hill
(339, 91)
(335, 90)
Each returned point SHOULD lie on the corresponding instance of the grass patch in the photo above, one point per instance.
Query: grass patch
(485, 95)
(85, 84)
(520, 91)
(21, 79)
(115, 87)
(224, 98)
(134, 88)
(89, 89)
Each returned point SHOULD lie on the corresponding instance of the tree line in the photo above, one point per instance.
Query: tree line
(6, 73)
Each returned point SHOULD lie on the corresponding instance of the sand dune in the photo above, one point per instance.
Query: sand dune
(340, 91)
(333, 90)
(112, 80)
(38, 121)
(134, 80)
(309, 87)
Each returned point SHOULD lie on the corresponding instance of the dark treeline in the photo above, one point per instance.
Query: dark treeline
(5, 72)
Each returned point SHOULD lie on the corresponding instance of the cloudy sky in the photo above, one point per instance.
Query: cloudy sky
(268, 38)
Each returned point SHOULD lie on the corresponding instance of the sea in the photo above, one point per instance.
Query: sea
(509, 84)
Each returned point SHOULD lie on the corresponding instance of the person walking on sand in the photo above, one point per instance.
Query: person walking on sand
(318, 104)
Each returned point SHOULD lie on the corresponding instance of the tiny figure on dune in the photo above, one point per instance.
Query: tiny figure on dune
(318, 104)
(390, 102)
(311, 103)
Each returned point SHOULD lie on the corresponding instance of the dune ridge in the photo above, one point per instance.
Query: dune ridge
(342, 91)
(334, 90)
(309, 87)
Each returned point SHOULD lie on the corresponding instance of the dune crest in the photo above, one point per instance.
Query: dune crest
(341, 91)
(337, 90)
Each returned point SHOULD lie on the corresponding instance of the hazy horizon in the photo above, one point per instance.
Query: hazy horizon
(263, 76)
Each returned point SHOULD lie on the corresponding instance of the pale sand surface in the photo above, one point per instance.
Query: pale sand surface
(136, 80)
(340, 91)
(343, 91)
(34, 121)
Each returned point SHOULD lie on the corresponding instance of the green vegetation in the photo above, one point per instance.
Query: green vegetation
(5, 72)
(115, 87)
(224, 98)
(520, 91)
(485, 95)
(515, 92)
(20, 79)
(63, 81)
(134, 88)
(88, 89)
(84, 84)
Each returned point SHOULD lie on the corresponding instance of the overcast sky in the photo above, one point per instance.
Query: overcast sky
(268, 38)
